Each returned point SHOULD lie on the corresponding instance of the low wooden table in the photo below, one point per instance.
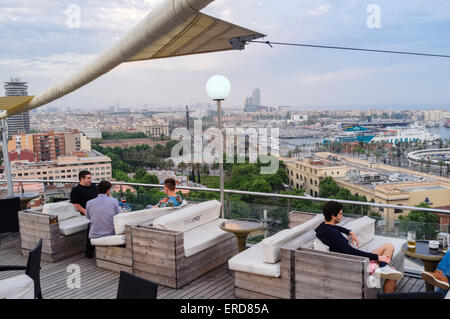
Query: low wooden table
(430, 259)
(241, 227)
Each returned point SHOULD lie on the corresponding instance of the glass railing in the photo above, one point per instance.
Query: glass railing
(273, 210)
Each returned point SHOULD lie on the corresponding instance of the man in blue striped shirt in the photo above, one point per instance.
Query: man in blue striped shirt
(101, 211)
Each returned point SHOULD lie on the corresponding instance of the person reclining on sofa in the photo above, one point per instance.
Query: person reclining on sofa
(441, 275)
(172, 199)
(330, 234)
(101, 212)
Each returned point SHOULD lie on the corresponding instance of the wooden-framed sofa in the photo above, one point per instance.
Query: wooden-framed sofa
(322, 274)
(265, 269)
(62, 228)
(181, 246)
(114, 252)
(285, 265)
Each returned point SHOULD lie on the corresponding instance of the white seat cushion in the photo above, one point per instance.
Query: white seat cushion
(319, 245)
(364, 228)
(73, 225)
(64, 210)
(115, 240)
(135, 218)
(447, 296)
(17, 287)
(203, 237)
(272, 245)
(190, 217)
(251, 261)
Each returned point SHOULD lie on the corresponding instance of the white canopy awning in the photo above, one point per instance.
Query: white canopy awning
(174, 28)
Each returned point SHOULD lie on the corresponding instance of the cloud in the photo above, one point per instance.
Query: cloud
(43, 50)
(342, 75)
(319, 10)
(56, 66)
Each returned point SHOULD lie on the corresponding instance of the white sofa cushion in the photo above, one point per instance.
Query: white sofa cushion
(364, 228)
(203, 237)
(139, 217)
(319, 245)
(17, 287)
(64, 210)
(133, 218)
(398, 259)
(272, 245)
(448, 295)
(251, 261)
(73, 225)
(115, 240)
(190, 217)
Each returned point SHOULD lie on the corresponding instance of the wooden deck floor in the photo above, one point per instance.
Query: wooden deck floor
(97, 283)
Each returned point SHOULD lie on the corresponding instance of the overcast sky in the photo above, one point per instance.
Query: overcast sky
(38, 46)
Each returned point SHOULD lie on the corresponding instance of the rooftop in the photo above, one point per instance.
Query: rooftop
(97, 283)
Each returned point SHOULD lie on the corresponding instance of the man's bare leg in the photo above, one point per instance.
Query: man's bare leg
(387, 250)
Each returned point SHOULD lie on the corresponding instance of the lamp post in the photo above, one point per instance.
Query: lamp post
(218, 88)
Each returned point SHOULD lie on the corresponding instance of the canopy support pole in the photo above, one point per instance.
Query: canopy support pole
(6, 167)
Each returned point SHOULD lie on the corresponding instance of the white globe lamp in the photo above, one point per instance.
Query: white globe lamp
(218, 87)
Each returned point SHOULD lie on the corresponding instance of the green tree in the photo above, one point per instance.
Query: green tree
(423, 223)
(328, 188)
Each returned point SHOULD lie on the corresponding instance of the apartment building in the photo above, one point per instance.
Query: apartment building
(21, 141)
(64, 167)
(48, 146)
(75, 141)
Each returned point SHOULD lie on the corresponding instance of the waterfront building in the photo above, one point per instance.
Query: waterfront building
(434, 115)
(379, 183)
(308, 172)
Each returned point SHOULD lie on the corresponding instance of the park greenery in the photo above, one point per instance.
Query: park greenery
(122, 135)
(130, 159)
(145, 195)
(246, 177)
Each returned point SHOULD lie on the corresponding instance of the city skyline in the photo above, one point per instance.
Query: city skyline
(302, 78)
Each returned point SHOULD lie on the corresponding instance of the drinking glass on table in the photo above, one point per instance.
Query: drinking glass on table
(412, 240)
(446, 243)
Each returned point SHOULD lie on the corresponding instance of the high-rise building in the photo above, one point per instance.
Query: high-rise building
(248, 101)
(19, 123)
(256, 97)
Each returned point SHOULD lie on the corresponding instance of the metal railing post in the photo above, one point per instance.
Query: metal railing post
(228, 206)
